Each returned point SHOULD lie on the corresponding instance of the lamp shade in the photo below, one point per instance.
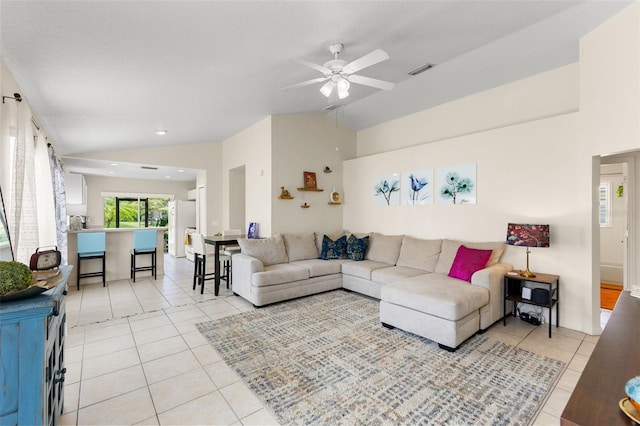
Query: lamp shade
(527, 235)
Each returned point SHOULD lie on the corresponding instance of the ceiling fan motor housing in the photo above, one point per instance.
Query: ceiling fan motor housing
(335, 65)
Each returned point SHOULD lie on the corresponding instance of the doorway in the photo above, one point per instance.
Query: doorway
(615, 195)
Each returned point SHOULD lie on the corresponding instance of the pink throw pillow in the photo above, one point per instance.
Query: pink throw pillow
(468, 261)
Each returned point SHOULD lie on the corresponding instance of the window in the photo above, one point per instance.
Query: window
(135, 212)
(604, 209)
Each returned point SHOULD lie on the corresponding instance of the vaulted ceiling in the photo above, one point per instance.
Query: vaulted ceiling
(106, 75)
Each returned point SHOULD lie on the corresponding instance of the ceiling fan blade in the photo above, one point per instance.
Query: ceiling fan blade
(312, 65)
(365, 61)
(373, 82)
(305, 83)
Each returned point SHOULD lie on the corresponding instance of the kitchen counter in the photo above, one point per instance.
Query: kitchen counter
(108, 230)
(118, 257)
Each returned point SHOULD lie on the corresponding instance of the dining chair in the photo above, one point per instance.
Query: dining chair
(144, 243)
(229, 251)
(201, 253)
(91, 245)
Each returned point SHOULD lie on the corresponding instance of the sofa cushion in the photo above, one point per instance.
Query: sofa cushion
(357, 247)
(319, 267)
(334, 249)
(270, 251)
(384, 248)
(334, 236)
(300, 246)
(363, 268)
(419, 254)
(468, 261)
(279, 274)
(436, 294)
(450, 249)
(393, 274)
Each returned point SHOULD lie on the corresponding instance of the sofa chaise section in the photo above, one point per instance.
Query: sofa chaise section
(444, 309)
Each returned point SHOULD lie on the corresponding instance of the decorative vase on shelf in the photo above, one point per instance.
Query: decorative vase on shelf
(334, 197)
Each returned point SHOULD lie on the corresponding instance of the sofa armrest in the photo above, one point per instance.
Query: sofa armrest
(491, 278)
(243, 267)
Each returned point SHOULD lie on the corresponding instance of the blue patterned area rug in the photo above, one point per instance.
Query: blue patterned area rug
(326, 359)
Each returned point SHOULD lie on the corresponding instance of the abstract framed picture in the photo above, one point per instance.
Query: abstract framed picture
(386, 190)
(418, 187)
(457, 184)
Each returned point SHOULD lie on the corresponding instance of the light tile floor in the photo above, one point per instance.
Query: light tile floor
(134, 356)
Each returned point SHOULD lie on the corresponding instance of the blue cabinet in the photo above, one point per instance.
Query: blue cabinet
(32, 333)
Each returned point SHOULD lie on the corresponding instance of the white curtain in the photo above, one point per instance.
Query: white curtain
(44, 194)
(32, 214)
(60, 202)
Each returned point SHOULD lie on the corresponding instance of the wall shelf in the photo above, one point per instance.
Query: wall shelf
(280, 197)
(311, 189)
(331, 203)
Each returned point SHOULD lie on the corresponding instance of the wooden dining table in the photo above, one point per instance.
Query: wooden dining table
(218, 241)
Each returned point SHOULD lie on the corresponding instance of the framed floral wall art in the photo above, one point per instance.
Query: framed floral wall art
(387, 190)
(457, 184)
(418, 187)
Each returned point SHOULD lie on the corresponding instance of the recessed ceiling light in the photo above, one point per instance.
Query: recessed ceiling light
(181, 170)
(168, 177)
(111, 172)
(161, 132)
(115, 164)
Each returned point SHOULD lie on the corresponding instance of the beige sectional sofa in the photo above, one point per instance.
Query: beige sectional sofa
(409, 275)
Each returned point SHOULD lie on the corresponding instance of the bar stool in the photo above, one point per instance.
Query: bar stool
(92, 245)
(144, 242)
(200, 256)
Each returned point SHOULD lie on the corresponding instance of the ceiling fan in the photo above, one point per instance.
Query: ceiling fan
(339, 74)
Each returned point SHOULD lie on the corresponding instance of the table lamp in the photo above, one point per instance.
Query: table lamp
(528, 236)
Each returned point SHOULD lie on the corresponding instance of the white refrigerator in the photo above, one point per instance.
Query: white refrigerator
(182, 215)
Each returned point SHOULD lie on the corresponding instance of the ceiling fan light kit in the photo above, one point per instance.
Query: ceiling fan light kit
(340, 74)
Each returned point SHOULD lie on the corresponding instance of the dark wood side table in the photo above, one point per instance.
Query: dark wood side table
(614, 361)
(513, 284)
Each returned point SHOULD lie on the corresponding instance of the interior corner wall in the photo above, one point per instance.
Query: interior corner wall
(308, 142)
(250, 148)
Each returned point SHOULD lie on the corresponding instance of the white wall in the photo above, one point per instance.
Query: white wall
(609, 119)
(250, 148)
(96, 185)
(544, 95)
(308, 142)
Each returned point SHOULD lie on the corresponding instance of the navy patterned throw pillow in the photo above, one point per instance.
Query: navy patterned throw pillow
(357, 247)
(334, 249)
